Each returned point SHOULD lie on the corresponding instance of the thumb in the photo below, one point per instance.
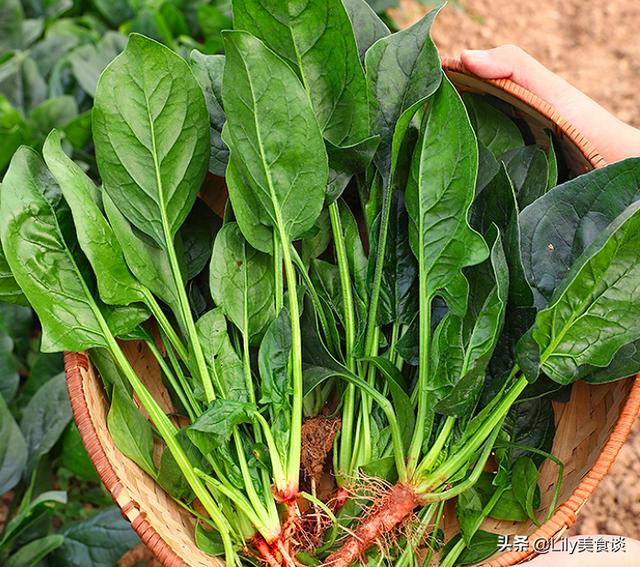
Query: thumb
(512, 62)
(494, 63)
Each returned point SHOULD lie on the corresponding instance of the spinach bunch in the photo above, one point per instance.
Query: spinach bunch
(392, 254)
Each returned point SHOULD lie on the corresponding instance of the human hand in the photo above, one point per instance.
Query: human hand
(613, 139)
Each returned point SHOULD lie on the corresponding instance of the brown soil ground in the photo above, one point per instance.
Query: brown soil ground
(594, 45)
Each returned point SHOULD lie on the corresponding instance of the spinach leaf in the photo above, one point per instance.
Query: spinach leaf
(131, 432)
(152, 137)
(90, 60)
(403, 70)
(242, 282)
(479, 332)
(529, 171)
(197, 235)
(558, 227)
(319, 42)
(495, 130)
(35, 248)
(530, 424)
(398, 298)
(116, 284)
(273, 362)
(366, 24)
(216, 425)
(147, 261)
(525, 485)
(282, 172)
(11, 22)
(99, 541)
(208, 70)
(590, 314)
(437, 197)
(30, 512)
(10, 291)
(35, 551)
(220, 354)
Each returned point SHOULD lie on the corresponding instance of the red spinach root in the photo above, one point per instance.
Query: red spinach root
(398, 288)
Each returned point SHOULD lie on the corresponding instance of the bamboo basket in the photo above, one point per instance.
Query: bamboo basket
(591, 427)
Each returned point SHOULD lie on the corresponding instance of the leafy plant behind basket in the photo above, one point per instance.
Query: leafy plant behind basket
(56, 512)
(380, 261)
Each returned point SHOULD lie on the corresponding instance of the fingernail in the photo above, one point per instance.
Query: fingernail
(477, 54)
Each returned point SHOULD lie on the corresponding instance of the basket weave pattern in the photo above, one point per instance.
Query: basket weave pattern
(591, 427)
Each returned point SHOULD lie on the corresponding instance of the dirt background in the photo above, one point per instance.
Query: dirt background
(594, 44)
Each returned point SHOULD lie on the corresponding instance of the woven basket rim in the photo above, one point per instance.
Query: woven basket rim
(563, 517)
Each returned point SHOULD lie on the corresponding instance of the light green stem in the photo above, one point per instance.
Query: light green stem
(168, 433)
(438, 444)
(295, 437)
(165, 325)
(415, 448)
(345, 454)
(177, 388)
(461, 457)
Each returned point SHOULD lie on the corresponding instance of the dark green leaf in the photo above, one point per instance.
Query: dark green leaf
(319, 42)
(403, 70)
(219, 353)
(529, 423)
(13, 129)
(147, 261)
(170, 476)
(316, 241)
(215, 426)
(52, 113)
(401, 401)
(273, 362)
(152, 137)
(46, 416)
(286, 175)
(242, 282)
(9, 367)
(208, 70)
(528, 169)
(438, 199)
(590, 316)
(209, 541)
(88, 61)
(13, 450)
(31, 227)
(469, 511)
(11, 20)
(524, 482)
(21, 82)
(99, 541)
(30, 512)
(481, 330)
(116, 284)
(347, 161)
(558, 227)
(130, 431)
(398, 297)
(74, 456)
(495, 130)
(197, 234)
(366, 24)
